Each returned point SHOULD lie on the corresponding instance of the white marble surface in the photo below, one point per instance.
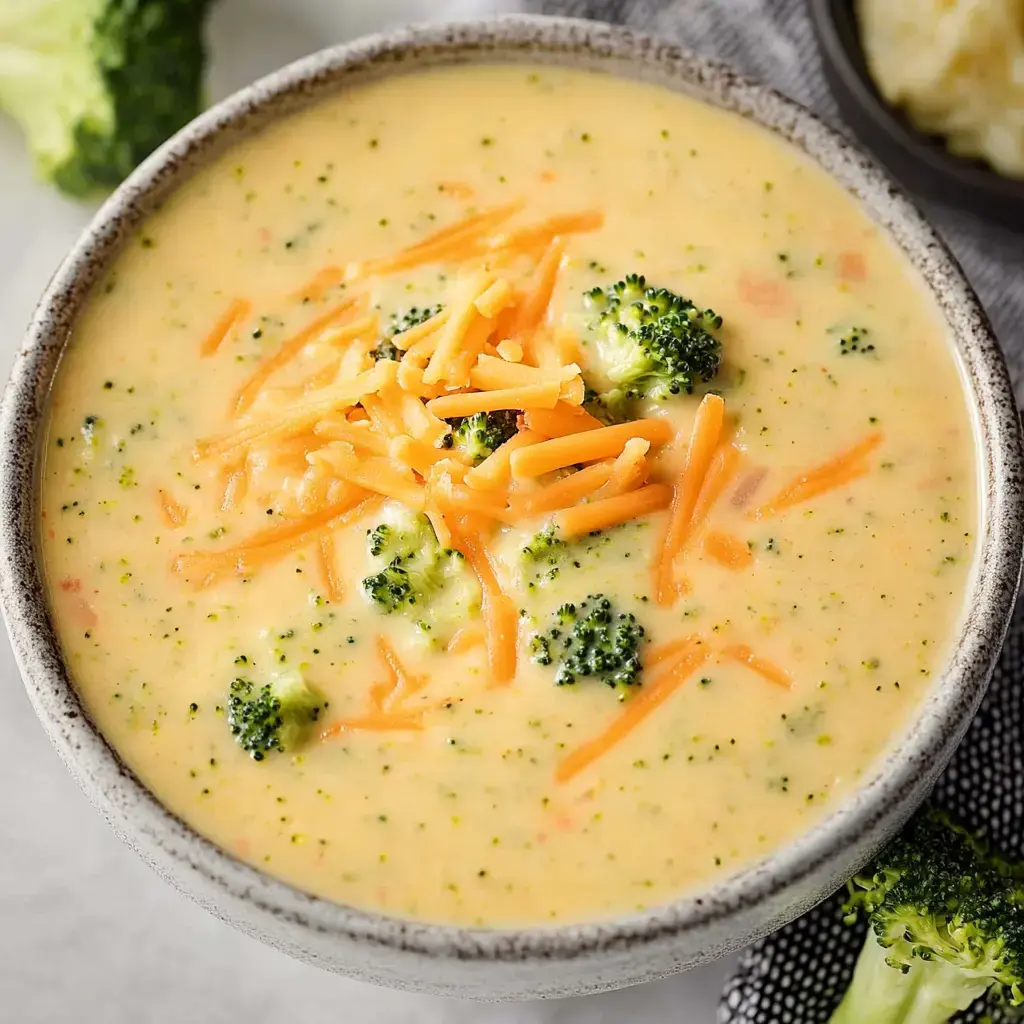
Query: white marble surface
(87, 933)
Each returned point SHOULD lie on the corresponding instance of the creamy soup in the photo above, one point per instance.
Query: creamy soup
(776, 511)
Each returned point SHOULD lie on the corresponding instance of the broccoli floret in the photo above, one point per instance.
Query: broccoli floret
(412, 317)
(946, 921)
(478, 435)
(97, 85)
(544, 556)
(650, 343)
(546, 551)
(402, 321)
(591, 639)
(418, 578)
(610, 408)
(274, 716)
(545, 546)
(387, 349)
(855, 339)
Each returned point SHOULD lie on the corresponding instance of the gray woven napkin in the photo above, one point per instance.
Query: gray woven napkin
(797, 975)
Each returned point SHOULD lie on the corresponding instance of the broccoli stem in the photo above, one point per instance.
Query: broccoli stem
(929, 992)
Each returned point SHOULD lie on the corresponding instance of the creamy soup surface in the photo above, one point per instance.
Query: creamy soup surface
(816, 598)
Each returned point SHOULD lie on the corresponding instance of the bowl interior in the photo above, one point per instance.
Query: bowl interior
(745, 905)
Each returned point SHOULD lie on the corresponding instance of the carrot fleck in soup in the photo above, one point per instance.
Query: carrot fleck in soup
(459, 513)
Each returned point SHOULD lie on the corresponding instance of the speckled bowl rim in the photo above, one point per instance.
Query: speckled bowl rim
(898, 781)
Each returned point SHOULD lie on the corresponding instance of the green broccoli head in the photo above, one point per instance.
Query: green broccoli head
(407, 319)
(946, 924)
(591, 640)
(418, 578)
(478, 435)
(274, 716)
(650, 344)
(97, 85)
(403, 320)
(545, 547)
(544, 553)
(387, 349)
(854, 339)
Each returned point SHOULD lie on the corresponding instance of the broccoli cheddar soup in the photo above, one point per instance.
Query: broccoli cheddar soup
(459, 509)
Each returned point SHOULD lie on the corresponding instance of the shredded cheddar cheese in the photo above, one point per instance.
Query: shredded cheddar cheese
(360, 431)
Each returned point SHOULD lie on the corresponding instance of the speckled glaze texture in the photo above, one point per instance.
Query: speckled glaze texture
(534, 962)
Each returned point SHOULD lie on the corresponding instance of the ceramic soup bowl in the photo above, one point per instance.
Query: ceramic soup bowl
(536, 961)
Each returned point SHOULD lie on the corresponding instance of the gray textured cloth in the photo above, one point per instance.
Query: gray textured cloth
(772, 40)
(797, 975)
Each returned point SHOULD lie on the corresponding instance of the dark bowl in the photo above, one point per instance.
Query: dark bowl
(921, 163)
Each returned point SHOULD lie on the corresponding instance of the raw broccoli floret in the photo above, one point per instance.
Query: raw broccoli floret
(97, 85)
(946, 925)
(274, 716)
(418, 578)
(591, 640)
(478, 435)
(402, 321)
(650, 343)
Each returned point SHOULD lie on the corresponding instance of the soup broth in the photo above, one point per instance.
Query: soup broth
(213, 477)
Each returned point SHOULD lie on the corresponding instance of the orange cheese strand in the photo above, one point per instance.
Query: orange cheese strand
(494, 472)
(175, 514)
(235, 314)
(404, 683)
(491, 373)
(560, 421)
(453, 242)
(530, 236)
(403, 721)
(533, 396)
(371, 473)
(456, 189)
(289, 349)
(466, 639)
(629, 470)
(841, 469)
(205, 568)
(319, 284)
(647, 700)
(534, 304)
(447, 496)
(719, 475)
(566, 492)
(301, 417)
(727, 549)
(428, 327)
(235, 486)
(501, 620)
(340, 429)
(602, 443)
(599, 515)
(452, 337)
(764, 668)
(707, 429)
(328, 569)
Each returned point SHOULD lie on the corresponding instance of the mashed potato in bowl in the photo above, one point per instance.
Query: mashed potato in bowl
(957, 68)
